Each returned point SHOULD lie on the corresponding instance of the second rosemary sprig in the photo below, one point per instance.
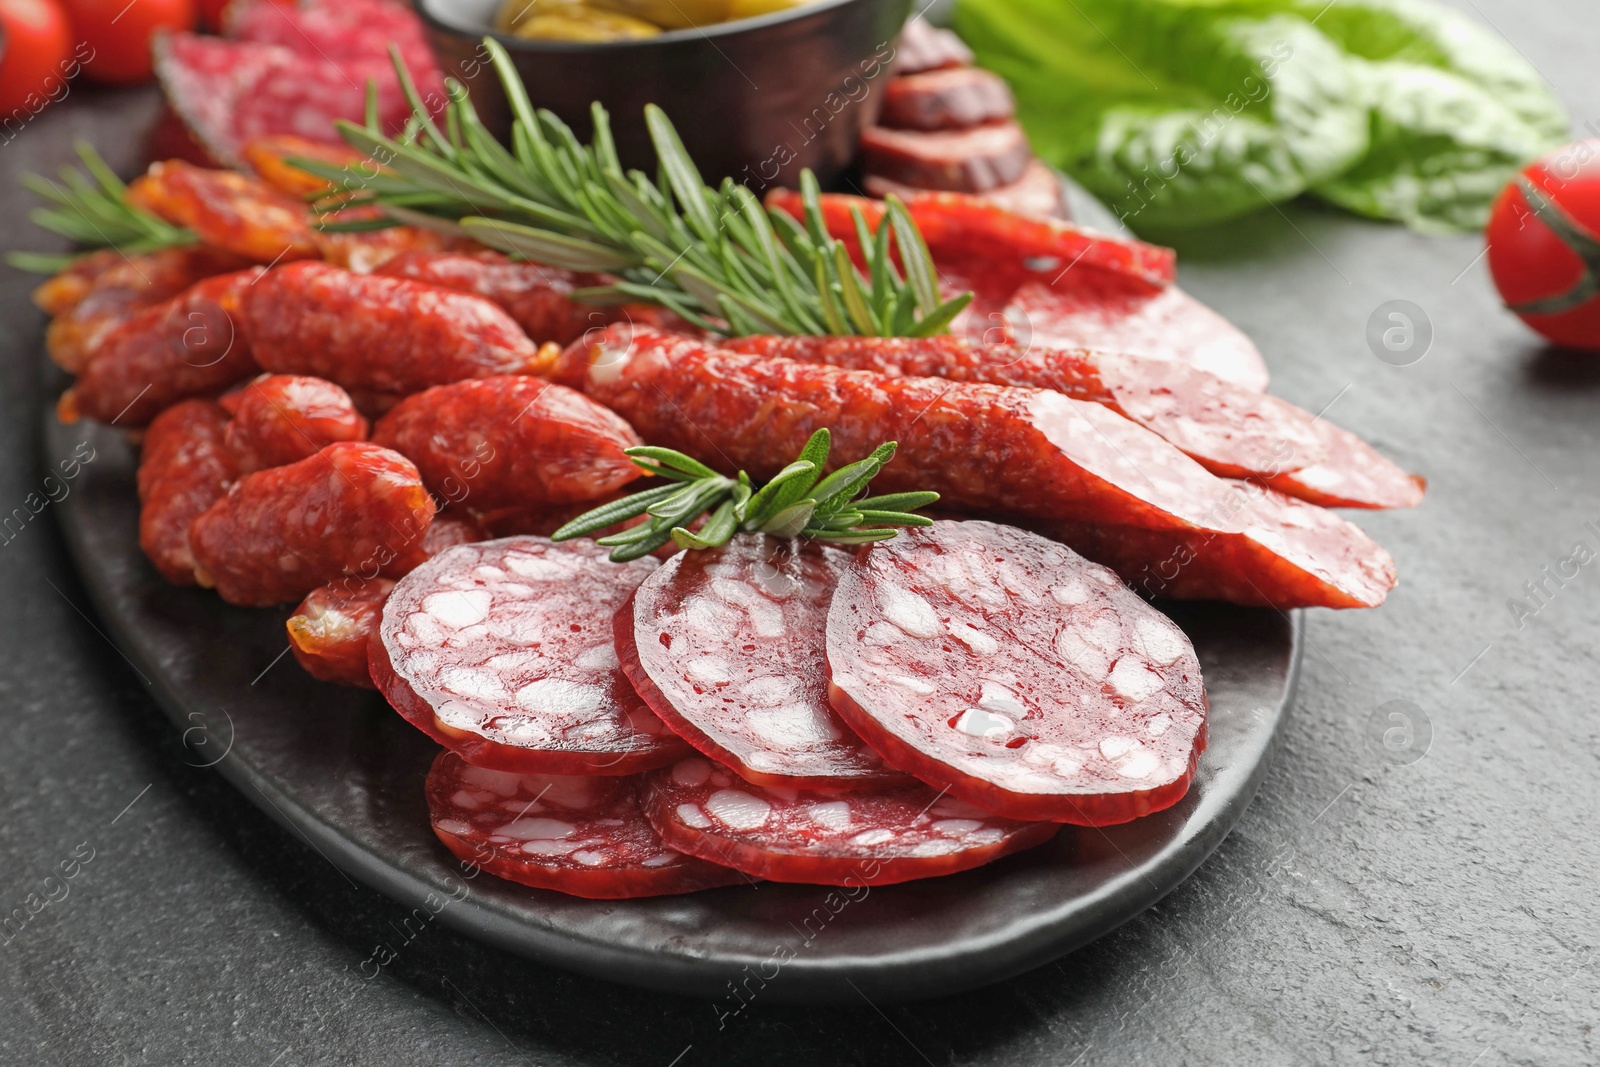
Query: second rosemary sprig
(90, 207)
(798, 502)
(715, 256)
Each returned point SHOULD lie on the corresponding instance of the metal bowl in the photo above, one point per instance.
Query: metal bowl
(756, 100)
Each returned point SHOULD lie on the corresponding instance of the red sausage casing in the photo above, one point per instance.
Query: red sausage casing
(353, 508)
(184, 469)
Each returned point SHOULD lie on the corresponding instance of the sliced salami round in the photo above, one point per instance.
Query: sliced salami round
(971, 160)
(924, 46)
(955, 98)
(502, 652)
(583, 835)
(336, 32)
(727, 647)
(874, 837)
(1006, 668)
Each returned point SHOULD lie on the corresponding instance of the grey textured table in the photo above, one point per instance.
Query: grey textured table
(1376, 904)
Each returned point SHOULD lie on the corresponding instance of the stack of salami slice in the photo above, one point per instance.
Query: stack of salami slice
(386, 426)
(947, 125)
(782, 710)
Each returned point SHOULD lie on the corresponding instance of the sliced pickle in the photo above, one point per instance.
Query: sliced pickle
(671, 14)
(580, 22)
(514, 11)
(617, 20)
(746, 9)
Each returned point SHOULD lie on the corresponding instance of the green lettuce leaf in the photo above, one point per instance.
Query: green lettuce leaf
(1456, 112)
(1187, 112)
(1168, 113)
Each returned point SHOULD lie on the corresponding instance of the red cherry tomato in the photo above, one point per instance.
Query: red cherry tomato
(120, 33)
(1544, 245)
(36, 60)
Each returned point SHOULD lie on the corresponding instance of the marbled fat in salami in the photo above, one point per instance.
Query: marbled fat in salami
(502, 651)
(1068, 308)
(294, 69)
(1047, 282)
(581, 835)
(1032, 454)
(1229, 430)
(1290, 554)
(337, 31)
(877, 836)
(726, 646)
(990, 448)
(1354, 475)
(1013, 672)
(332, 628)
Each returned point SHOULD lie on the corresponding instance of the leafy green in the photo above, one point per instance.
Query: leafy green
(1186, 112)
(1173, 113)
(1455, 113)
(1441, 150)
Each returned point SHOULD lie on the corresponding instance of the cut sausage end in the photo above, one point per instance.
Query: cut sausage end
(971, 160)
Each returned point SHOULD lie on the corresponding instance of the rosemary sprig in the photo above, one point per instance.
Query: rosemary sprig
(91, 210)
(797, 502)
(716, 257)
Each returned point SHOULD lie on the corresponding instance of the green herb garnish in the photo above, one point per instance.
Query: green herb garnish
(716, 257)
(1180, 113)
(797, 502)
(92, 210)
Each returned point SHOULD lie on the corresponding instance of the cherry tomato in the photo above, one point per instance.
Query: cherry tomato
(120, 33)
(1544, 245)
(36, 60)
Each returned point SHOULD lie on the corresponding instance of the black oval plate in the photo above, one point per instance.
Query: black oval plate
(345, 773)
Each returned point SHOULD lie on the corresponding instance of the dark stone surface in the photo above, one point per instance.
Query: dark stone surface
(1441, 911)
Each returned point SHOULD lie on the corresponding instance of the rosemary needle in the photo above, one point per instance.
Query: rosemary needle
(91, 209)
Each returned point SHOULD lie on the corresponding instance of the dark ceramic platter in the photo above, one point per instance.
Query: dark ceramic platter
(343, 772)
